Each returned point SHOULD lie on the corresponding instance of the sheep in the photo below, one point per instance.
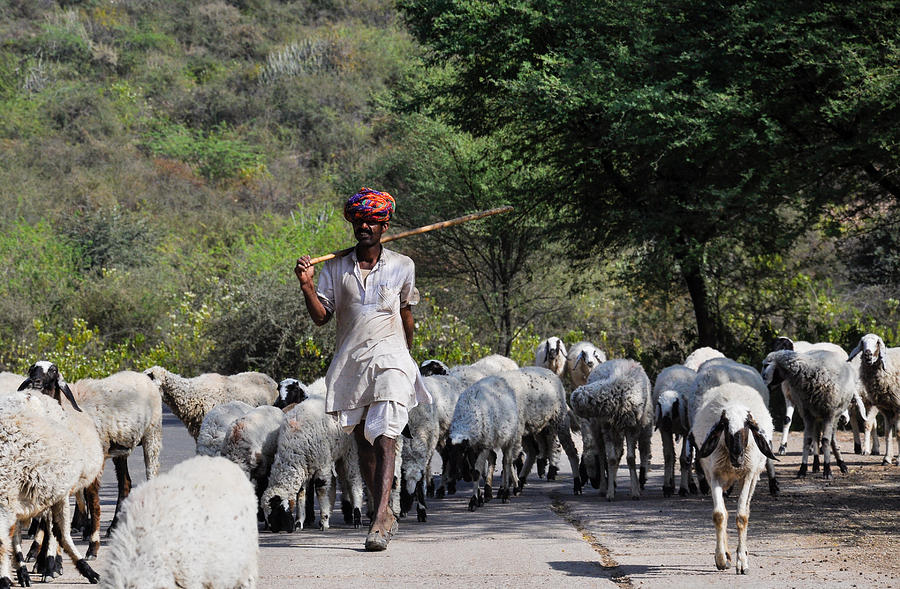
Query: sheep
(92, 431)
(823, 384)
(469, 374)
(190, 399)
(786, 343)
(429, 424)
(290, 392)
(701, 355)
(726, 420)
(672, 392)
(310, 444)
(194, 526)
(432, 367)
(618, 402)
(581, 359)
(494, 415)
(215, 426)
(551, 353)
(127, 412)
(718, 371)
(42, 459)
(251, 441)
(879, 372)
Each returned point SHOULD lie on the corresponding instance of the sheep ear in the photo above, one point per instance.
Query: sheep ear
(24, 385)
(68, 393)
(761, 442)
(855, 351)
(658, 416)
(712, 438)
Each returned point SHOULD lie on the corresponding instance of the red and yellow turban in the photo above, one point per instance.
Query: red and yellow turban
(369, 205)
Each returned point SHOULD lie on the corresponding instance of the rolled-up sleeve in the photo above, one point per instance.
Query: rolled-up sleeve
(409, 294)
(325, 287)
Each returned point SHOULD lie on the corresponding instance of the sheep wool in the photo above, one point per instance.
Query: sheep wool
(215, 426)
(194, 526)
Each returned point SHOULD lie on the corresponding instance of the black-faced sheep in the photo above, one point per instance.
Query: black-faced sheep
(736, 430)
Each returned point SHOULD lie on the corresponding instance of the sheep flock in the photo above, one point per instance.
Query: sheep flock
(268, 454)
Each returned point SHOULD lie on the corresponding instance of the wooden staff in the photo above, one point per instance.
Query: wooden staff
(419, 230)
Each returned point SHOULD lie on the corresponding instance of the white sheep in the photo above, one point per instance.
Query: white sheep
(730, 415)
(432, 367)
(190, 399)
(251, 442)
(672, 392)
(469, 374)
(215, 426)
(823, 384)
(494, 414)
(9, 382)
(311, 443)
(718, 371)
(786, 343)
(617, 400)
(581, 359)
(127, 412)
(551, 353)
(879, 372)
(42, 459)
(429, 424)
(194, 526)
(696, 358)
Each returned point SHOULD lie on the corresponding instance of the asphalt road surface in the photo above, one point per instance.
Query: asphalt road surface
(840, 533)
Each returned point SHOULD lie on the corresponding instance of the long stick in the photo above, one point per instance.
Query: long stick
(420, 230)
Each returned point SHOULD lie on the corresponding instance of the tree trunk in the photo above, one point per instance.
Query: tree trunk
(693, 277)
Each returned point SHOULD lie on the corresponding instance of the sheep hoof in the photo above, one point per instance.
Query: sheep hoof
(32, 552)
(857, 448)
(421, 515)
(87, 572)
(704, 487)
(682, 492)
(473, 503)
(92, 550)
(357, 517)
(692, 486)
(451, 488)
(801, 474)
(782, 449)
(551, 473)
(347, 511)
(843, 468)
(773, 487)
(21, 576)
(886, 462)
(577, 485)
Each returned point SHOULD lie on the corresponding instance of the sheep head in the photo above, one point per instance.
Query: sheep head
(432, 367)
(462, 457)
(290, 390)
(782, 343)
(872, 348)
(667, 410)
(279, 514)
(44, 376)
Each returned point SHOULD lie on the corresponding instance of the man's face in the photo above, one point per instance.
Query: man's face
(368, 233)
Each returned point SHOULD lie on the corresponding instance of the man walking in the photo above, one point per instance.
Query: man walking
(372, 381)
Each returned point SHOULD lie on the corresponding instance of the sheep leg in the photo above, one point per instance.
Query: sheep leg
(421, 507)
(788, 415)
(701, 475)
(488, 462)
(838, 457)
(60, 515)
(644, 440)
(301, 518)
(599, 451)
(568, 446)
(477, 500)
(668, 445)
(92, 524)
(509, 477)
(891, 429)
(351, 485)
(48, 564)
(21, 570)
(827, 435)
(773, 481)
(614, 444)
(870, 445)
(631, 457)
(720, 519)
(79, 515)
(743, 520)
(807, 444)
(152, 444)
(38, 536)
(531, 452)
(685, 460)
(7, 523)
(123, 478)
(326, 500)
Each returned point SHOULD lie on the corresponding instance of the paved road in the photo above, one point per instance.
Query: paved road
(548, 537)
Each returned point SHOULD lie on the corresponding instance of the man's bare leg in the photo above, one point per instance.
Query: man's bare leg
(376, 462)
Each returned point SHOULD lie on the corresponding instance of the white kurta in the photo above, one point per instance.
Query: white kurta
(371, 361)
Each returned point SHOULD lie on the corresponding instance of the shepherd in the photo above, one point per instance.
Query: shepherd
(372, 381)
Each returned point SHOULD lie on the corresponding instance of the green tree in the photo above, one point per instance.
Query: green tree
(674, 127)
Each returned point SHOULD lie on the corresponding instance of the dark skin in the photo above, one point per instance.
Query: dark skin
(376, 461)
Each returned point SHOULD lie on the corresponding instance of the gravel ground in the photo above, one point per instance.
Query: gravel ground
(835, 533)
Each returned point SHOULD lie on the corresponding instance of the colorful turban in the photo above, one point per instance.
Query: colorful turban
(369, 205)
